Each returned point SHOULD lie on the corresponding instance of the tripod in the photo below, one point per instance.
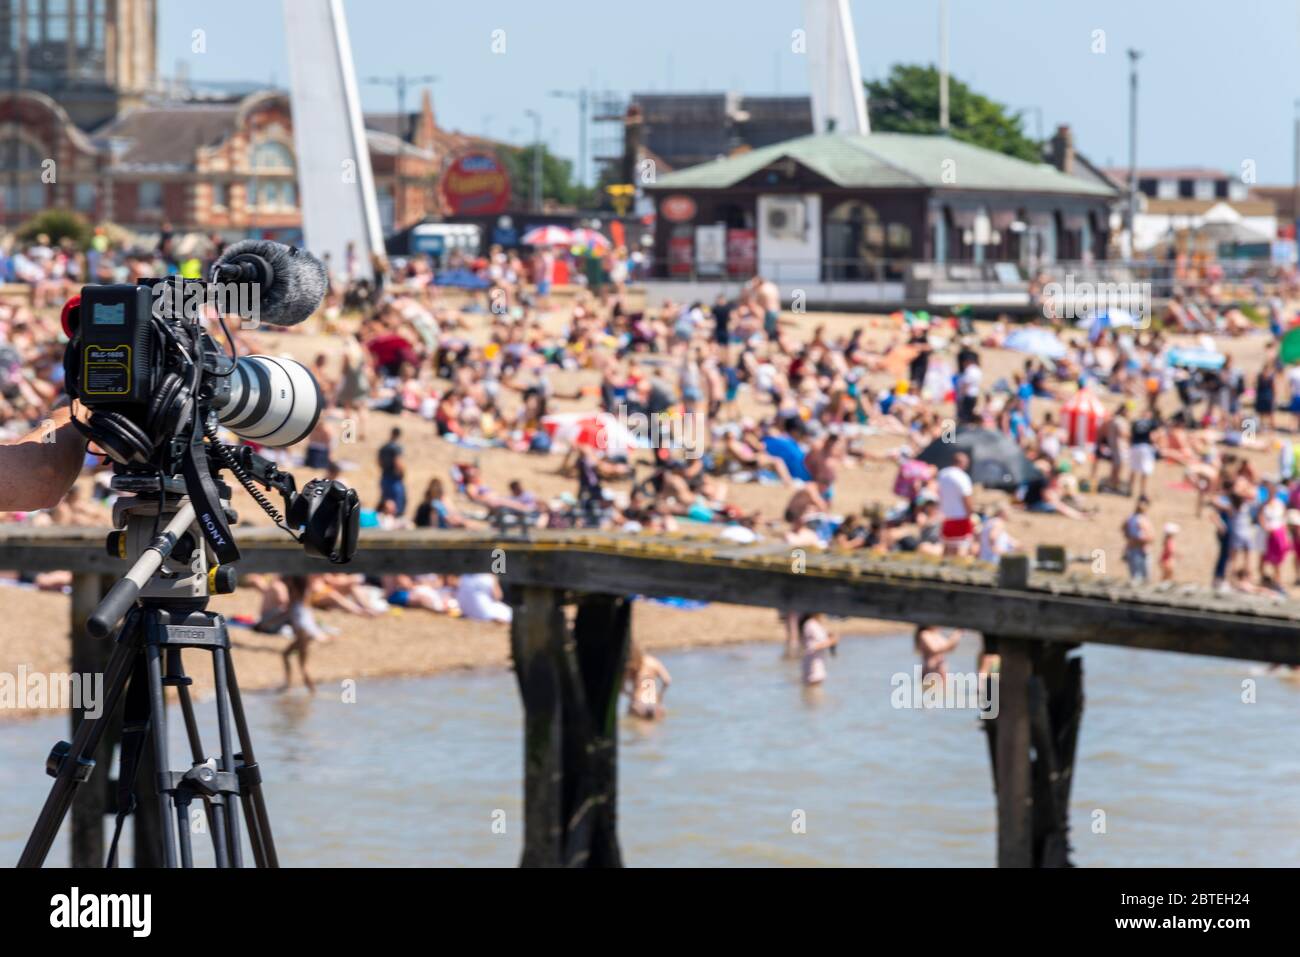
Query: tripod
(164, 597)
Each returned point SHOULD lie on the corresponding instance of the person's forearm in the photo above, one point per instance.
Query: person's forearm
(37, 470)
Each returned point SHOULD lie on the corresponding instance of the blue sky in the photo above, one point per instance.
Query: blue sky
(1219, 78)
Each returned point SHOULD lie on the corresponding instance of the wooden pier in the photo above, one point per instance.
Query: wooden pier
(570, 674)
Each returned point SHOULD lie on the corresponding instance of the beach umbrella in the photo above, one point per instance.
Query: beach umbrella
(997, 462)
(1083, 415)
(590, 239)
(594, 430)
(1290, 346)
(1191, 358)
(548, 236)
(1035, 341)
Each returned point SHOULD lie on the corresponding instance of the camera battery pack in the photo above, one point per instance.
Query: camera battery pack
(116, 337)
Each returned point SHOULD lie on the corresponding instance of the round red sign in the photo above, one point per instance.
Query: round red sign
(677, 208)
(476, 184)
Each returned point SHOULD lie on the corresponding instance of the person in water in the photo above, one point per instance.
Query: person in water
(304, 627)
(815, 640)
(933, 646)
(646, 682)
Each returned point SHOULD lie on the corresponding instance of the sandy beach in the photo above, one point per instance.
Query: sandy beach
(33, 627)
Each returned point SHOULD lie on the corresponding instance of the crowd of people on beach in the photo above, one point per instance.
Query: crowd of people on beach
(685, 401)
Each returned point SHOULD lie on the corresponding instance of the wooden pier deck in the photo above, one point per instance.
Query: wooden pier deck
(570, 674)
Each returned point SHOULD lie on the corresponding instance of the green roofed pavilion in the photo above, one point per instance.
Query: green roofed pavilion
(890, 161)
(898, 208)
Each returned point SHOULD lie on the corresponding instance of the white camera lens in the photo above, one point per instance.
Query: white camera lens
(273, 401)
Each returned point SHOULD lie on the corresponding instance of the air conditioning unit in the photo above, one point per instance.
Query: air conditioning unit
(786, 218)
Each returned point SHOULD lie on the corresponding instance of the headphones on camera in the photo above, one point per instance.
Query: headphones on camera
(121, 437)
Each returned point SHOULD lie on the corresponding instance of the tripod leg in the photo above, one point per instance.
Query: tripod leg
(83, 746)
(259, 824)
(158, 710)
(87, 837)
(236, 850)
(183, 830)
(176, 670)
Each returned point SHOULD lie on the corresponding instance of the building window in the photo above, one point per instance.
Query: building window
(20, 171)
(23, 199)
(56, 24)
(271, 155)
(85, 22)
(384, 202)
(1167, 189)
(274, 194)
(219, 198)
(33, 23)
(17, 155)
(84, 197)
(149, 197)
(1203, 189)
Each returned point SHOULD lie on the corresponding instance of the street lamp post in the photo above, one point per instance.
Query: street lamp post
(1295, 186)
(583, 100)
(1038, 121)
(536, 117)
(400, 82)
(943, 67)
(1133, 57)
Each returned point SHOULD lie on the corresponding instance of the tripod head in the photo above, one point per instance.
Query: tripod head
(177, 545)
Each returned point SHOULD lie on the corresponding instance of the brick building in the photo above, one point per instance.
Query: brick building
(85, 126)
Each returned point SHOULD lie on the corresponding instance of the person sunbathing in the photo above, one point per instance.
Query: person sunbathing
(1046, 495)
(418, 591)
(341, 592)
(747, 451)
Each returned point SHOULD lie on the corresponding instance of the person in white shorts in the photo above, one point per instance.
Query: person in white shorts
(479, 597)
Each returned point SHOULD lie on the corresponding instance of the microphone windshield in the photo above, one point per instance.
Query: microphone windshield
(291, 284)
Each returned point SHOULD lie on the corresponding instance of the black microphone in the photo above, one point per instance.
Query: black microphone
(290, 282)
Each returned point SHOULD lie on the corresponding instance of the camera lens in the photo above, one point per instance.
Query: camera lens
(273, 401)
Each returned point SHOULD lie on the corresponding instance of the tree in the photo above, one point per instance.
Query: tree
(58, 224)
(557, 178)
(907, 101)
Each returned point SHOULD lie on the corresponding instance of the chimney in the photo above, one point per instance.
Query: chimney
(633, 136)
(426, 108)
(1062, 150)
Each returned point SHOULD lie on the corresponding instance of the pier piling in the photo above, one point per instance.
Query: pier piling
(90, 656)
(569, 680)
(1032, 743)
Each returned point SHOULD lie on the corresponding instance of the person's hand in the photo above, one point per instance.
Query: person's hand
(82, 415)
(80, 412)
